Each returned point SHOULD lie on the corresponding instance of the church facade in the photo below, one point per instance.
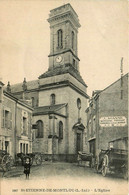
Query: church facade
(58, 96)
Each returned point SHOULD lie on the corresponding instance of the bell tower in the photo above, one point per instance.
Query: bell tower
(64, 24)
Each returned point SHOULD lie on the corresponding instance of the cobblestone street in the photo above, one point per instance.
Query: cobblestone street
(62, 178)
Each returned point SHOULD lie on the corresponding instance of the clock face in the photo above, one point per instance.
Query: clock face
(59, 59)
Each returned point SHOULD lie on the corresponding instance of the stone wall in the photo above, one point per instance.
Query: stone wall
(111, 104)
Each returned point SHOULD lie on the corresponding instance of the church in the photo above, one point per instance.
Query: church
(59, 96)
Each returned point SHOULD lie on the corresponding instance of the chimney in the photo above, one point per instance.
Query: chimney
(1, 91)
(9, 87)
(24, 86)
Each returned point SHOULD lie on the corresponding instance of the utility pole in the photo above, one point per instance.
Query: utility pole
(121, 71)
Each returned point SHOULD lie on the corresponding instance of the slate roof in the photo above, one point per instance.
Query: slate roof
(20, 101)
(30, 85)
(34, 84)
(48, 109)
(63, 70)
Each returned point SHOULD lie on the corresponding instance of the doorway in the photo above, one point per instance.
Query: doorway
(92, 147)
(7, 146)
(78, 142)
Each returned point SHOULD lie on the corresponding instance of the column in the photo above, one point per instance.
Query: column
(27, 148)
(22, 148)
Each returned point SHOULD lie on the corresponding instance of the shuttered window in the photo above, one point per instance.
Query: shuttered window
(6, 119)
(3, 116)
(10, 120)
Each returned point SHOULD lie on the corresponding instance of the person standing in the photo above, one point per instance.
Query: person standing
(27, 166)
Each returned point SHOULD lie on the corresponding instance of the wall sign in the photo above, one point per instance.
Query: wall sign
(116, 121)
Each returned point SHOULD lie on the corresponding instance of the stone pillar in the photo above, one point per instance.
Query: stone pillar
(50, 136)
(19, 150)
(55, 138)
(22, 147)
(25, 148)
(50, 124)
(50, 145)
(55, 145)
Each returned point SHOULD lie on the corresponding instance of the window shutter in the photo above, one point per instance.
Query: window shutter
(3, 118)
(21, 121)
(10, 120)
(28, 128)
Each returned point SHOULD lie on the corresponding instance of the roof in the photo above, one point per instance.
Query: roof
(34, 84)
(121, 138)
(22, 102)
(63, 70)
(1, 83)
(63, 11)
(127, 74)
(30, 85)
(95, 93)
(48, 109)
(68, 5)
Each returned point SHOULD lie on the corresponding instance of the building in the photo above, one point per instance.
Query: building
(107, 116)
(59, 95)
(15, 124)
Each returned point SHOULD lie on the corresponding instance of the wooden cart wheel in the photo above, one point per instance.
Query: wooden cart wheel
(5, 160)
(9, 163)
(105, 166)
(38, 159)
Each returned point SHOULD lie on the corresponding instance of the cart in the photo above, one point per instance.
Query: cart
(82, 156)
(6, 160)
(34, 158)
(113, 160)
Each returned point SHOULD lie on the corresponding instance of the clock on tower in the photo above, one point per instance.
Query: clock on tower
(64, 24)
(59, 59)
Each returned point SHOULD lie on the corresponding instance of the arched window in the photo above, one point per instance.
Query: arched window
(32, 101)
(79, 108)
(72, 40)
(60, 38)
(79, 103)
(52, 98)
(40, 129)
(60, 130)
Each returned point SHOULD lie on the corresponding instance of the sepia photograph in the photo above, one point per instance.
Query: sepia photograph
(64, 89)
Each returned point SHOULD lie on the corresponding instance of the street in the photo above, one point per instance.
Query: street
(62, 178)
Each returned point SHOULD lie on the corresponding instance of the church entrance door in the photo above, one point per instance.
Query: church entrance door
(78, 142)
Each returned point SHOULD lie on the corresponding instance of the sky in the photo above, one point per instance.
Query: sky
(25, 39)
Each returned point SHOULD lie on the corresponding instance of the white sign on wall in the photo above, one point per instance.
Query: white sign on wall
(109, 121)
